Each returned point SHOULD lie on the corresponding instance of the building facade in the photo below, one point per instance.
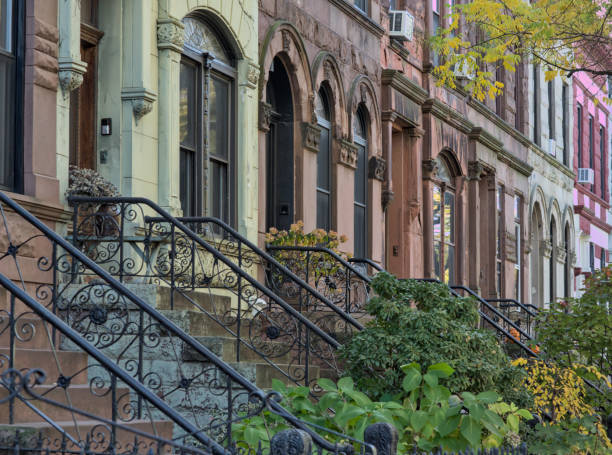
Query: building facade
(551, 215)
(591, 191)
(320, 156)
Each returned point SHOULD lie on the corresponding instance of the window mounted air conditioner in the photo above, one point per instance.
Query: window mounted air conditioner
(586, 175)
(464, 69)
(401, 25)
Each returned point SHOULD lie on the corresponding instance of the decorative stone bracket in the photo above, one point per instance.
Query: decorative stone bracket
(376, 168)
(71, 74)
(265, 116)
(546, 246)
(430, 169)
(142, 100)
(475, 170)
(347, 154)
(170, 34)
(572, 259)
(311, 136)
(561, 255)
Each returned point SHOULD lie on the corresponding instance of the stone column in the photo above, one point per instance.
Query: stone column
(488, 235)
(71, 71)
(376, 177)
(307, 187)
(475, 170)
(387, 146)
(429, 169)
(346, 163)
(413, 229)
(169, 45)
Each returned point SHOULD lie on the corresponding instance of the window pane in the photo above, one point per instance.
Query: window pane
(7, 121)
(219, 197)
(219, 100)
(323, 220)
(188, 109)
(449, 217)
(437, 260)
(6, 22)
(323, 161)
(362, 5)
(437, 213)
(187, 186)
(360, 175)
(449, 264)
(360, 232)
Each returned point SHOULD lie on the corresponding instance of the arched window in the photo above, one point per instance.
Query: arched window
(324, 178)
(11, 82)
(207, 123)
(279, 143)
(444, 223)
(360, 137)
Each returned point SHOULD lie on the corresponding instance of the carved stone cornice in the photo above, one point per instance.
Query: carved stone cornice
(515, 163)
(572, 259)
(71, 74)
(405, 86)
(430, 169)
(486, 139)
(347, 154)
(170, 34)
(142, 100)
(546, 248)
(311, 136)
(376, 168)
(265, 116)
(448, 115)
(361, 18)
(415, 131)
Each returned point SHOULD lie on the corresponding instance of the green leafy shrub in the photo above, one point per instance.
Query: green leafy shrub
(423, 322)
(425, 413)
(572, 437)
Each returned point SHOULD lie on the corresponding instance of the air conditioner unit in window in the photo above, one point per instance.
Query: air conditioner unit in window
(552, 147)
(401, 25)
(465, 69)
(586, 175)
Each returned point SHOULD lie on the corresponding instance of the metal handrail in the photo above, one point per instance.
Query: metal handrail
(261, 253)
(109, 365)
(530, 309)
(170, 326)
(367, 261)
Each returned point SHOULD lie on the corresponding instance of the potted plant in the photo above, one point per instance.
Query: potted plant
(95, 219)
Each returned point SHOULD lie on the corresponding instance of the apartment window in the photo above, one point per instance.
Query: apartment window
(11, 81)
(591, 141)
(579, 123)
(602, 263)
(435, 8)
(362, 5)
(592, 257)
(444, 224)
(551, 110)
(207, 126)
(324, 176)
(360, 138)
(536, 104)
(499, 206)
(602, 157)
(566, 274)
(518, 247)
(518, 97)
(565, 103)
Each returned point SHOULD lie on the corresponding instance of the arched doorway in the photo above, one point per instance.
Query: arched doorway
(536, 257)
(279, 144)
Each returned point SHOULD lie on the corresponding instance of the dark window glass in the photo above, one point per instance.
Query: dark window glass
(187, 182)
(551, 109)
(8, 89)
(553, 261)
(591, 141)
(579, 122)
(362, 5)
(566, 266)
(188, 113)
(323, 163)
(361, 182)
(565, 101)
(602, 157)
(536, 104)
(592, 257)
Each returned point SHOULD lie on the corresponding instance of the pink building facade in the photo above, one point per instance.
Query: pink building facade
(591, 190)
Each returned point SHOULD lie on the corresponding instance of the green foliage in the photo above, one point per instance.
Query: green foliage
(579, 331)
(577, 436)
(423, 322)
(425, 413)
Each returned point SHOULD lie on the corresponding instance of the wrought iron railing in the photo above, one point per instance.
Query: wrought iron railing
(346, 285)
(205, 394)
(216, 277)
(523, 314)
